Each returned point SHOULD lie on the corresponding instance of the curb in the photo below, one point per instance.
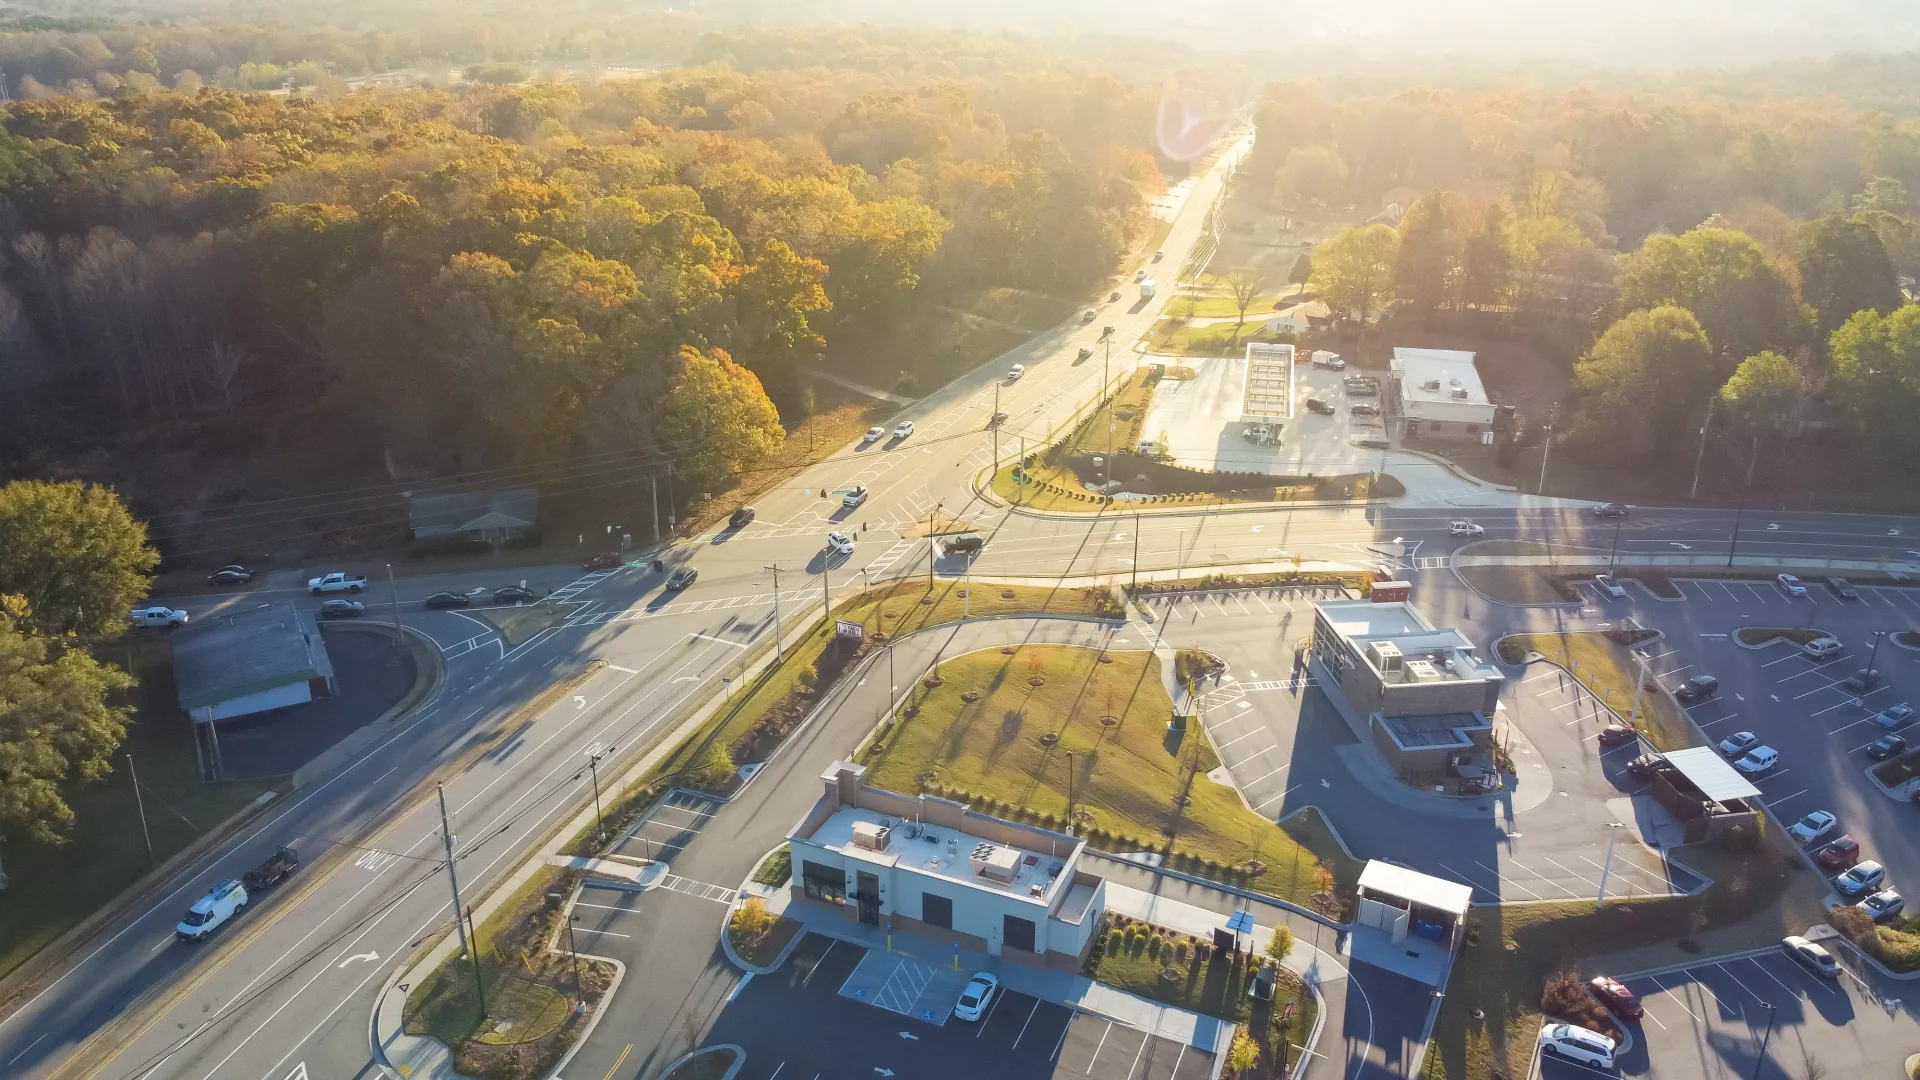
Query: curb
(739, 1059)
(432, 671)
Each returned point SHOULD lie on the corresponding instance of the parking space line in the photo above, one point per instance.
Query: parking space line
(1237, 738)
(1177, 1059)
(1830, 685)
(1763, 970)
(604, 933)
(1741, 985)
(1142, 1052)
(1023, 1027)
(997, 999)
(1571, 870)
(1097, 1047)
(1060, 1042)
(1275, 772)
(1676, 999)
(1503, 881)
(831, 942)
(603, 907)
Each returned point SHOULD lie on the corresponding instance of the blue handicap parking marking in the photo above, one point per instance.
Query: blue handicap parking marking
(927, 1015)
(859, 993)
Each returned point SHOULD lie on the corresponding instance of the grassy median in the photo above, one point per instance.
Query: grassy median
(1604, 664)
(1002, 726)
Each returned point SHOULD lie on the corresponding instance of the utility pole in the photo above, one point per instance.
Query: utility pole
(1733, 544)
(1020, 481)
(1069, 792)
(393, 597)
(593, 769)
(1546, 446)
(472, 949)
(778, 655)
(140, 802)
(655, 479)
(1613, 830)
(1614, 555)
(1136, 548)
(826, 592)
(1700, 454)
(580, 1000)
(994, 423)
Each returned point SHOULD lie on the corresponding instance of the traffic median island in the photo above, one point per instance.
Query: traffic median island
(999, 729)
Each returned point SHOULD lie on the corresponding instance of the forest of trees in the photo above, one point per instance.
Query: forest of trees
(1672, 255)
(458, 280)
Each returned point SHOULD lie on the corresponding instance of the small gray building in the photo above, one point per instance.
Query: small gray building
(244, 662)
(1416, 691)
(494, 517)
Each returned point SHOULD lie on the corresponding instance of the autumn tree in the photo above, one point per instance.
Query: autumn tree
(1427, 267)
(75, 554)
(1644, 379)
(1353, 272)
(56, 726)
(1844, 268)
(1728, 281)
(716, 419)
(1301, 273)
(1486, 265)
(1313, 172)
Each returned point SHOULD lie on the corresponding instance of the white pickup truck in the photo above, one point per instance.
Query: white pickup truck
(337, 582)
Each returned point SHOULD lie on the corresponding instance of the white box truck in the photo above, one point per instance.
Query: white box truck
(1146, 289)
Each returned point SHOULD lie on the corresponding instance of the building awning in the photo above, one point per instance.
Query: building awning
(1705, 769)
(1416, 887)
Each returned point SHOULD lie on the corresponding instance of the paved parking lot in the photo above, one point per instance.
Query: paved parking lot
(802, 1023)
(1708, 1021)
(1201, 419)
(1286, 748)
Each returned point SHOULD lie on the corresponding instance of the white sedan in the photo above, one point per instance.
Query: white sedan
(976, 998)
(840, 542)
(873, 434)
(1811, 828)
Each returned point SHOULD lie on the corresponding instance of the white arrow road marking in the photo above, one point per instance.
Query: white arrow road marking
(1893, 532)
(365, 957)
(299, 1072)
(1681, 546)
(883, 1072)
(1256, 528)
(910, 1035)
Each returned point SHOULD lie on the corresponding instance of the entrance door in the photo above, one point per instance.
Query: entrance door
(869, 896)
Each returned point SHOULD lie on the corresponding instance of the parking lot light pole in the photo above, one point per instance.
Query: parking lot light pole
(1764, 1039)
(1875, 651)
(779, 655)
(1733, 543)
(1638, 685)
(1613, 831)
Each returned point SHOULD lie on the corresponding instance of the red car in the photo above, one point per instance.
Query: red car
(606, 560)
(1616, 997)
(1617, 735)
(1838, 855)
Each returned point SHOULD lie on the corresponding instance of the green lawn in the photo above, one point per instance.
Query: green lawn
(1760, 635)
(776, 869)
(53, 887)
(1220, 305)
(1605, 667)
(1006, 751)
(1181, 338)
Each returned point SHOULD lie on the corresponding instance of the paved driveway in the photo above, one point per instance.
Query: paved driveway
(1709, 1020)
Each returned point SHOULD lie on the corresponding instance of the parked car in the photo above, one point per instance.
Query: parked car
(1642, 767)
(448, 599)
(1465, 528)
(159, 617)
(977, 997)
(740, 518)
(1617, 998)
(873, 433)
(1363, 408)
(1811, 828)
(903, 429)
(606, 560)
(1823, 648)
(1089, 315)
(1842, 588)
(1894, 717)
(1861, 681)
(964, 545)
(341, 609)
(1612, 589)
(230, 575)
(682, 577)
(1790, 585)
(840, 542)
(1883, 906)
(1362, 385)
(1014, 372)
(1158, 255)
(1315, 405)
(277, 868)
(337, 582)
(855, 497)
(1698, 688)
(1886, 746)
(1759, 760)
(1610, 510)
(1860, 879)
(222, 902)
(1838, 855)
(1085, 353)
(512, 594)
(1814, 958)
(1577, 1044)
(1619, 734)
(1738, 743)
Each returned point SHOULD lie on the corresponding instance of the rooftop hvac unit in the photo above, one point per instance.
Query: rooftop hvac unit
(1459, 393)
(1386, 655)
(1422, 671)
(1430, 384)
(871, 835)
(996, 863)
(1036, 889)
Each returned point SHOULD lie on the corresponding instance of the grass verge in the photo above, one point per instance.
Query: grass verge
(1602, 662)
(1181, 338)
(1182, 971)
(53, 887)
(1511, 952)
(996, 728)
(1760, 635)
(776, 869)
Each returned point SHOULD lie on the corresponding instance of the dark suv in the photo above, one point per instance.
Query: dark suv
(741, 517)
(1610, 510)
(965, 545)
(1698, 688)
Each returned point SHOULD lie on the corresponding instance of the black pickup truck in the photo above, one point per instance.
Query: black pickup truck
(278, 868)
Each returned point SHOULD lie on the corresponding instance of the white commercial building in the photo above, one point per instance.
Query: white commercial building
(935, 868)
(1438, 396)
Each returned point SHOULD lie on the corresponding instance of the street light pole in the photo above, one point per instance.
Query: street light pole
(1069, 792)
(141, 803)
(453, 882)
(1764, 1039)
(778, 655)
(826, 591)
(1739, 511)
(1613, 830)
(1136, 549)
(1546, 446)
(1875, 651)
(1700, 454)
(394, 598)
(1613, 556)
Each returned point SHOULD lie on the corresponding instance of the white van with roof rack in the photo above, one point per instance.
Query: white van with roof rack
(222, 902)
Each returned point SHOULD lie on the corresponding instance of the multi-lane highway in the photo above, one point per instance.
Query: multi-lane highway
(286, 991)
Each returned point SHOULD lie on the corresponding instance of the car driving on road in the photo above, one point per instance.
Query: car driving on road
(682, 578)
(512, 594)
(606, 560)
(448, 599)
(230, 575)
(159, 617)
(840, 542)
(1464, 528)
(903, 429)
(1610, 510)
(855, 497)
(872, 435)
(341, 609)
(1014, 372)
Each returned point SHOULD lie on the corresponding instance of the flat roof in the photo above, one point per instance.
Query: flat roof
(1412, 885)
(233, 654)
(1432, 375)
(1364, 620)
(1267, 392)
(1705, 769)
(1435, 731)
(941, 852)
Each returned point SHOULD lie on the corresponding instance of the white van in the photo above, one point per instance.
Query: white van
(1577, 1044)
(222, 902)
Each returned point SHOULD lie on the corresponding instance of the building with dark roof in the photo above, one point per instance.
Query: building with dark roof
(249, 661)
(491, 516)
